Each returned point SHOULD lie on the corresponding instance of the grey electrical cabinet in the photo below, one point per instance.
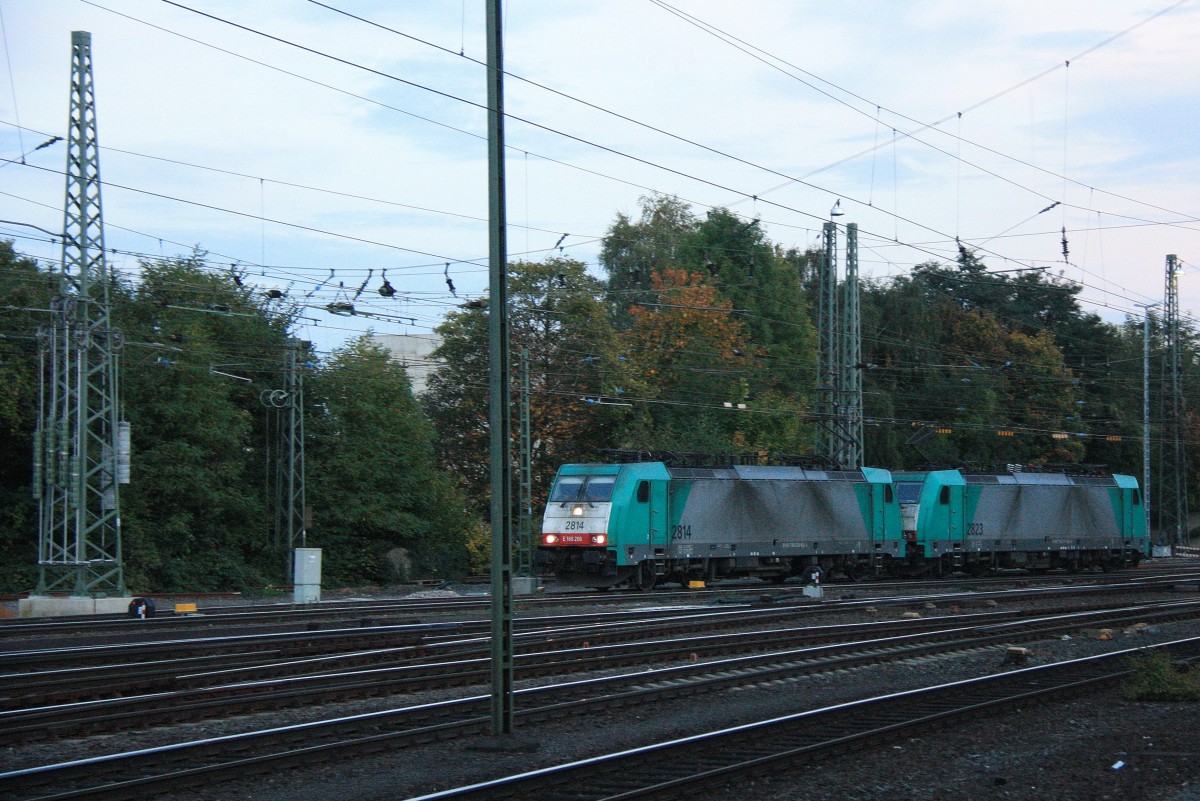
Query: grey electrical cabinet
(306, 581)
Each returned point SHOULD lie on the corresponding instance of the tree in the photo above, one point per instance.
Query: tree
(373, 481)
(633, 252)
(902, 344)
(556, 311)
(574, 364)
(195, 514)
(687, 359)
(1026, 385)
(765, 288)
(762, 289)
(25, 293)
(940, 359)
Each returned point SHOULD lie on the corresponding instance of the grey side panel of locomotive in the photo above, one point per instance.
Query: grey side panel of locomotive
(767, 518)
(1033, 517)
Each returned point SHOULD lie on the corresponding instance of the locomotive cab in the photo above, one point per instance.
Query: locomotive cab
(602, 522)
(575, 540)
(578, 510)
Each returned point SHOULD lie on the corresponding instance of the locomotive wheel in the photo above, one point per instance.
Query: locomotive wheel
(646, 579)
(855, 572)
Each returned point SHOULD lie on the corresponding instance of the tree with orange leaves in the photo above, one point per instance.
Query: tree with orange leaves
(686, 359)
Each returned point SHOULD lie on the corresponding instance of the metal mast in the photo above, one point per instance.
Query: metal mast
(524, 561)
(499, 390)
(851, 417)
(81, 451)
(1146, 411)
(294, 433)
(291, 513)
(1173, 505)
(825, 437)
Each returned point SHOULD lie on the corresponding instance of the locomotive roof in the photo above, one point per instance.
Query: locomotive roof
(1052, 479)
(778, 473)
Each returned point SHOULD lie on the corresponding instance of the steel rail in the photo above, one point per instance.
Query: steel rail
(128, 678)
(123, 654)
(668, 769)
(125, 713)
(133, 677)
(373, 611)
(446, 719)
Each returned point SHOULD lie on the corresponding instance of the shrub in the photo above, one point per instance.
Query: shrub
(1157, 678)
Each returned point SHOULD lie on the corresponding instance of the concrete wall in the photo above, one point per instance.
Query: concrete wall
(51, 606)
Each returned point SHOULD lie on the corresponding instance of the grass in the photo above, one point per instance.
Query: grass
(1157, 678)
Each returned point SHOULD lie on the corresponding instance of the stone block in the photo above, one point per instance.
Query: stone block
(524, 585)
(54, 606)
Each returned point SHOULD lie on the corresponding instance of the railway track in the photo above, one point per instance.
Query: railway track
(245, 691)
(141, 773)
(59, 676)
(314, 640)
(284, 618)
(670, 769)
(596, 637)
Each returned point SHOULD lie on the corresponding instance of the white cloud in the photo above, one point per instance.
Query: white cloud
(1128, 107)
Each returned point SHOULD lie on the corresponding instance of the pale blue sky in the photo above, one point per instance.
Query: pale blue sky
(1120, 120)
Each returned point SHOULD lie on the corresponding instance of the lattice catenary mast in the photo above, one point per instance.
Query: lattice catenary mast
(1173, 504)
(828, 367)
(291, 509)
(523, 564)
(838, 412)
(81, 448)
(850, 454)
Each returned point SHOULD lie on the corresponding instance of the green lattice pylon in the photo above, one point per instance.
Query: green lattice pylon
(81, 447)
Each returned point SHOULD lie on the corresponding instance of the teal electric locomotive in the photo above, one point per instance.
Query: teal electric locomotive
(638, 524)
(1035, 521)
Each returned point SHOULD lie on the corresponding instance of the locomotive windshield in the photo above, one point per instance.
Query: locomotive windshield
(909, 491)
(567, 489)
(596, 489)
(599, 488)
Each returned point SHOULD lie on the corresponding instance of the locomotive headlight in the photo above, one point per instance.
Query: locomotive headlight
(549, 539)
(577, 510)
(599, 539)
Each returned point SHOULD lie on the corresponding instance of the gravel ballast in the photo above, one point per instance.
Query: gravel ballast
(1095, 747)
(1046, 751)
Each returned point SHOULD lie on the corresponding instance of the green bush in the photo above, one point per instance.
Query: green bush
(1157, 678)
